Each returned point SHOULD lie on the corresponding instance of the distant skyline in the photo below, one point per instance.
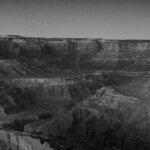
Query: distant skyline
(109, 19)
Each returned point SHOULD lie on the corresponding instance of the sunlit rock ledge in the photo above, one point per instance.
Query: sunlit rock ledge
(16, 141)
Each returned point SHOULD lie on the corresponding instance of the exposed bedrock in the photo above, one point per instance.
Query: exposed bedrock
(46, 93)
(79, 109)
(106, 119)
(79, 93)
(51, 94)
(79, 54)
(17, 141)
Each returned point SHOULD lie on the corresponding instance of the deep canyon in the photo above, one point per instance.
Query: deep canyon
(74, 94)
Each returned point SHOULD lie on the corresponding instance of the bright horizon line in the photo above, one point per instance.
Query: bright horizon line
(24, 36)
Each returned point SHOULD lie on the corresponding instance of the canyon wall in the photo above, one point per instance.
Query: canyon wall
(16, 141)
(79, 54)
(49, 84)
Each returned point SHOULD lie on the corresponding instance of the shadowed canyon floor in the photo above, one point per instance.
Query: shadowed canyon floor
(74, 94)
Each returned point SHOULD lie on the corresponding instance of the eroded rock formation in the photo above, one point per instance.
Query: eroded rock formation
(39, 54)
(67, 94)
(16, 141)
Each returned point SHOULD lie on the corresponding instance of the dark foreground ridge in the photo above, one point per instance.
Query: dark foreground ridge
(74, 94)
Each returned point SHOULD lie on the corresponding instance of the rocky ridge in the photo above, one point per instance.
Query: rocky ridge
(40, 55)
(74, 93)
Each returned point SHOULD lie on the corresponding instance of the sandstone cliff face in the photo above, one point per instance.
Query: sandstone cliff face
(107, 119)
(80, 54)
(44, 94)
(76, 106)
(15, 141)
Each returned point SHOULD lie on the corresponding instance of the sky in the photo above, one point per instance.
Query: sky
(109, 19)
